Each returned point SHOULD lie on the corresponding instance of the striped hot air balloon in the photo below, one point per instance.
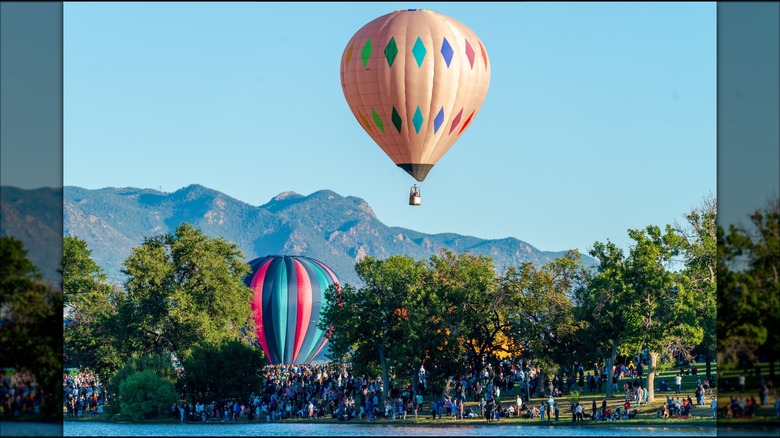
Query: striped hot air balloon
(414, 80)
(289, 293)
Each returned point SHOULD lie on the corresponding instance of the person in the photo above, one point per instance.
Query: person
(714, 406)
(686, 408)
(665, 410)
(541, 412)
(640, 395)
(678, 382)
(489, 409)
(550, 403)
(741, 382)
(777, 407)
(555, 407)
(764, 393)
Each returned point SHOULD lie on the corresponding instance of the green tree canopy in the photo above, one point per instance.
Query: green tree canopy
(146, 396)
(748, 288)
(232, 370)
(462, 315)
(368, 324)
(663, 317)
(700, 272)
(182, 290)
(90, 305)
(601, 303)
(159, 364)
(543, 316)
(30, 312)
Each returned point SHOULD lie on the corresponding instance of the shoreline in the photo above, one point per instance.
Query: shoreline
(709, 423)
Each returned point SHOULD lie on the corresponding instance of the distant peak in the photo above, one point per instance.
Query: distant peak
(286, 195)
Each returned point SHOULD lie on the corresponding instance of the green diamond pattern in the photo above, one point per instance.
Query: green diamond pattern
(396, 120)
(391, 51)
(419, 51)
(417, 120)
(366, 53)
(378, 120)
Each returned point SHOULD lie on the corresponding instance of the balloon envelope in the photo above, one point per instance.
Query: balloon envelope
(415, 80)
(289, 293)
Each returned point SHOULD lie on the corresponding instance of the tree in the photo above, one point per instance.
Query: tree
(160, 365)
(146, 396)
(664, 315)
(765, 272)
(367, 324)
(543, 315)
(90, 302)
(700, 272)
(601, 301)
(182, 290)
(231, 370)
(463, 315)
(748, 289)
(30, 311)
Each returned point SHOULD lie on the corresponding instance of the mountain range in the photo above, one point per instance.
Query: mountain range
(337, 230)
(34, 217)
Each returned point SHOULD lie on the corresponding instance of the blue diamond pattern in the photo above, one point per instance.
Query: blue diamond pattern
(438, 120)
(446, 51)
(419, 51)
(417, 120)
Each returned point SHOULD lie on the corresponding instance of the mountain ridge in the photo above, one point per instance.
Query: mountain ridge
(324, 225)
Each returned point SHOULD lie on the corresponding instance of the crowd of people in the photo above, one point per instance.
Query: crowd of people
(83, 394)
(334, 391)
(20, 393)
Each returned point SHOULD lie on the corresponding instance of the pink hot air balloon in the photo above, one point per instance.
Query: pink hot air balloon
(415, 79)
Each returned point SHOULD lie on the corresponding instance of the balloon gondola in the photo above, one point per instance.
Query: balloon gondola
(414, 80)
(414, 196)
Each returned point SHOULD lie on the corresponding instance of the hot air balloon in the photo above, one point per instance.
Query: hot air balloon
(289, 294)
(415, 80)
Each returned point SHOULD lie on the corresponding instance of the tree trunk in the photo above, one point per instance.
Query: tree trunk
(385, 371)
(610, 372)
(772, 366)
(651, 376)
(708, 362)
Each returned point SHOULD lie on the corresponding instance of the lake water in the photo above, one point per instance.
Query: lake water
(358, 429)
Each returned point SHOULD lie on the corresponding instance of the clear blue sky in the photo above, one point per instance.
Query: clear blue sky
(600, 117)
